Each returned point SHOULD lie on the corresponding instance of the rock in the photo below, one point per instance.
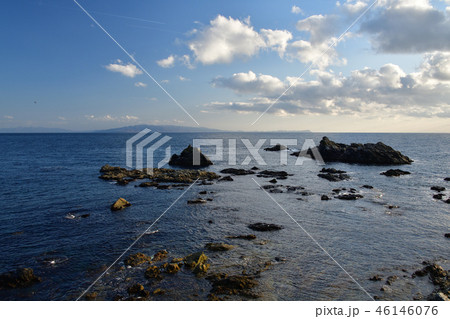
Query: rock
(152, 272)
(148, 184)
(237, 171)
(294, 188)
(395, 173)
(135, 289)
(254, 168)
(324, 197)
(120, 204)
(232, 285)
(264, 227)
(438, 296)
(22, 277)
(332, 171)
(91, 296)
(447, 179)
(386, 288)
(438, 196)
(447, 235)
(85, 215)
(447, 201)
(218, 247)
(368, 154)
(438, 188)
(274, 174)
(123, 182)
(276, 148)
(158, 291)
(187, 157)
(197, 262)
(197, 201)
(334, 177)
(276, 191)
(172, 268)
(273, 181)
(375, 278)
(367, 186)
(160, 255)
(137, 259)
(226, 179)
(203, 193)
(390, 280)
(246, 237)
(349, 196)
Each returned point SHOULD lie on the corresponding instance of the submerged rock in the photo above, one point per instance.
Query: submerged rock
(246, 237)
(197, 201)
(395, 173)
(264, 227)
(349, 196)
(137, 259)
(160, 255)
(197, 262)
(375, 278)
(334, 177)
(153, 272)
(274, 174)
(190, 157)
(226, 179)
(437, 188)
(325, 197)
(91, 296)
(22, 277)
(368, 154)
(276, 148)
(237, 171)
(172, 268)
(232, 285)
(218, 247)
(367, 186)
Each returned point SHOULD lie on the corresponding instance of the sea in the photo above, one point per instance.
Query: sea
(327, 250)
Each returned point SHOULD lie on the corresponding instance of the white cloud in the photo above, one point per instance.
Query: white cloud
(296, 10)
(61, 118)
(140, 84)
(110, 118)
(224, 39)
(408, 26)
(165, 81)
(8, 117)
(167, 62)
(277, 40)
(186, 60)
(320, 27)
(383, 92)
(182, 78)
(129, 70)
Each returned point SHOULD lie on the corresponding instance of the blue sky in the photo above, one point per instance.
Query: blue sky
(226, 63)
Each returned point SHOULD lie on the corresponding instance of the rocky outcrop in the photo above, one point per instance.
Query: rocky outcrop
(137, 259)
(367, 154)
(264, 227)
(232, 285)
(172, 268)
(437, 188)
(237, 171)
(218, 247)
(395, 173)
(197, 262)
(190, 157)
(120, 204)
(349, 196)
(160, 255)
(333, 175)
(273, 174)
(276, 148)
(22, 277)
(246, 237)
(163, 175)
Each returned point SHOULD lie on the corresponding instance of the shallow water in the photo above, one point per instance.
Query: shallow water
(47, 176)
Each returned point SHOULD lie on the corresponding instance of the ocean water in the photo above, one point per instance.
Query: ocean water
(47, 176)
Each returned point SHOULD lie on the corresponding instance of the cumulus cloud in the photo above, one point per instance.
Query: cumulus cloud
(129, 70)
(367, 92)
(140, 84)
(167, 63)
(182, 78)
(225, 39)
(408, 26)
(296, 10)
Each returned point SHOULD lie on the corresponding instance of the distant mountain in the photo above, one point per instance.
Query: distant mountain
(33, 130)
(158, 128)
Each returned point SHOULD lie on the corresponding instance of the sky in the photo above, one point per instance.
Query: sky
(324, 66)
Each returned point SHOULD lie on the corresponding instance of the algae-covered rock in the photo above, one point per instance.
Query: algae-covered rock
(120, 204)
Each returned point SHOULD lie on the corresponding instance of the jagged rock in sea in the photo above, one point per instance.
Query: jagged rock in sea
(120, 204)
(237, 171)
(190, 157)
(368, 154)
(276, 148)
(395, 173)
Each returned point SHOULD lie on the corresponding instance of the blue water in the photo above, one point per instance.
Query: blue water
(47, 176)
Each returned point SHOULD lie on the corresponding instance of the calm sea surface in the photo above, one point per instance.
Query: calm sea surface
(47, 176)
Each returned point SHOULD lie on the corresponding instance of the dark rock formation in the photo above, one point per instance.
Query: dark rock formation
(264, 227)
(137, 259)
(367, 186)
(395, 173)
(273, 174)
(325, 197)
(218, 247)
(232, 285)
(375, 278)
(334, 177)
(276, 148)
(368, 154)
(438, 196)
(437, 188)
(237, 171)
(190, 157)
(349, 196)
(246, 237)
(22, 277)
(226, 179)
